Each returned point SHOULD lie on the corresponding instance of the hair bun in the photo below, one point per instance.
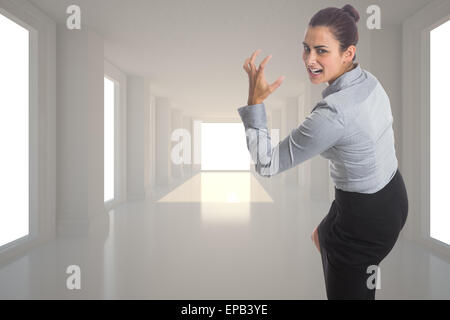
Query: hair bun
(352, 11)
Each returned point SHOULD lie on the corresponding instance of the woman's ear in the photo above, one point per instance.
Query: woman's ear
(350, 53)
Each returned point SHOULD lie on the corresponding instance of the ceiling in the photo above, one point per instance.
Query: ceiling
(193, 51)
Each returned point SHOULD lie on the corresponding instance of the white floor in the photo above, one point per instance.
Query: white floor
(207, 240)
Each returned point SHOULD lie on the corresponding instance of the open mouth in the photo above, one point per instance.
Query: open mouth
(315, 71)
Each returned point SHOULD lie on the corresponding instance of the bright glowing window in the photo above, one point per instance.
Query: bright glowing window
(109, 139)
(14, 131)
(224, 147)
(439, 115)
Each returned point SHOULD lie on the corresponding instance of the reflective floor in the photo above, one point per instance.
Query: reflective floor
(214, 236)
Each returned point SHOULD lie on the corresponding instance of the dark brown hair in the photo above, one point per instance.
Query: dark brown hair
(342, 24)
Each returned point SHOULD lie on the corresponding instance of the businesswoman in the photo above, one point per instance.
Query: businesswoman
(352, 127)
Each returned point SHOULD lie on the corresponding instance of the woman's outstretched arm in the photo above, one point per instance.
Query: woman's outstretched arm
(318, 132)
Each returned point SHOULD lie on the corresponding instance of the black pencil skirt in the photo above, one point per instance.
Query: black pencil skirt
(357, 234)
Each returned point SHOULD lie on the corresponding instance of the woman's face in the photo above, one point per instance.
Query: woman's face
(322, 52)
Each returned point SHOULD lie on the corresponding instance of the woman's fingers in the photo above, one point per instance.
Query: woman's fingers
(246, 67)
(263, 64)
(252, 59)
(249, 64)
(277, 83)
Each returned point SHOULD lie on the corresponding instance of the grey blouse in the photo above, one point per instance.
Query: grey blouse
(351, 126)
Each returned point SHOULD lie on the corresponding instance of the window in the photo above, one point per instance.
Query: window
(14, 131)
(109, 139)
(439, 115)
(224, 147)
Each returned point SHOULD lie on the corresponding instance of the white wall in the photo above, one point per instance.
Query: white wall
(163, 125)
(138, 106)
(151, 146)
(80, 126)
(196, 145)
(187, 125)
(176, 123)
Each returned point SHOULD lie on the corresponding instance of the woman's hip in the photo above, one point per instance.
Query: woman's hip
(382, 213)
(356, 231)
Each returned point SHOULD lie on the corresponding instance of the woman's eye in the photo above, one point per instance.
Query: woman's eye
(318, 50)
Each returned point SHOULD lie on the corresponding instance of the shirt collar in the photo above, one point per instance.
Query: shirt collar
(343, 81)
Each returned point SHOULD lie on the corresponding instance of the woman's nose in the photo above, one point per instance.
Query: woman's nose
(310, 59)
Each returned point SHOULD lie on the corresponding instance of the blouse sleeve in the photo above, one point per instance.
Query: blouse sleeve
(318, 132)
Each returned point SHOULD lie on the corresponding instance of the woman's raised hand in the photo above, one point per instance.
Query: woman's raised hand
(259, 89)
